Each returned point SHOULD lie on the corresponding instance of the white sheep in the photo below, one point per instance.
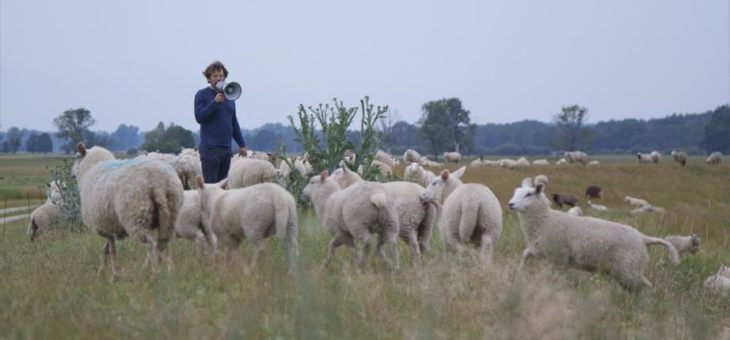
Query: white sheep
(470, 213)
(452, 157)
(561, 162)
(636, 202)
(656, 156)
(509, 163)
(411, 156)
(585, 243)
(541, 179)
(476, 163)
(120, 198)
(684, 244)
(593, 163)
(384, 171)
(249, 171)
(425, 162)
(416, 172)
(53, 194)
(46, 217)
(714, 158)
(719, 283)
(597, 207)
(189, 223)
(540, 162)
(643, 157)
(187, 165)
(577, 211)
(680, 157)
(415, 217)
(251, 213)
(576, 156)
(385, 158)
(354, 214)
(522, 162)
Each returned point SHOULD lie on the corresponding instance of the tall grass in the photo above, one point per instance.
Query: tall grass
(50, 288)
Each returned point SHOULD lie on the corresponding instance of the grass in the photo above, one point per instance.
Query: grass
(50, 288)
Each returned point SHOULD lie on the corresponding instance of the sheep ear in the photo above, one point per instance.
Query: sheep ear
(445, 174)
(323, 175)
(223, 183)
(538, 188)
(459, 172)
(199, 182)
(81, 148)
(527, 182)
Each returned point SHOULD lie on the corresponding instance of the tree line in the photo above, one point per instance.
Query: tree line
(445, 125)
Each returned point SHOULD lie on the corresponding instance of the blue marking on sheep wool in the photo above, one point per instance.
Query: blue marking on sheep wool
(122, 163)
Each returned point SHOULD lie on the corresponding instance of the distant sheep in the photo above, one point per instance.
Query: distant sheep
(425, 162)
(385, 158)
(643, 157)
(719, 283)
(594, 191)
(564, 198)
(680, 157)
(415, 172)
(452, 157)
(656, 156)
(684, 244)
(249, 171)
(584, 243)
(540, 162)
(121, 198)
(44, 218)
(597, 207)
(636, 202)
(411, 156)
(561, 162)
(541, 179)
(577, 211)
(576, 156)
(714, 158)
(593, 163)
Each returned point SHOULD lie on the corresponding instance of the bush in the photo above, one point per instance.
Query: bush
(68, 186)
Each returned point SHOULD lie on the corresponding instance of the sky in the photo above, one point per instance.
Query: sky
(139, 62)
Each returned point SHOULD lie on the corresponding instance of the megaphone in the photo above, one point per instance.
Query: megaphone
(230, 90)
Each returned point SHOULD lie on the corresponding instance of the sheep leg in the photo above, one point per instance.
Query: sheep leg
(486, 249)
(113, 253)
(164, 252)
(259, 248)
(525, 255)
(412, 242)
(382, 242)
(104, 256)
(336, 242)
(365, 250)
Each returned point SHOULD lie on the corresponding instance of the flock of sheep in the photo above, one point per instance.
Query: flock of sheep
(145, 198)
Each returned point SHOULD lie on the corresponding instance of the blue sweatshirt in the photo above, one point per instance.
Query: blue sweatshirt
(218, 123)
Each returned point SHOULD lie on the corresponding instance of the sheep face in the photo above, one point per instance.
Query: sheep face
(441, 186)
(525, 195)
(316, 184)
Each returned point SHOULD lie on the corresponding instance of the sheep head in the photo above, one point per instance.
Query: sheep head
(525, 195)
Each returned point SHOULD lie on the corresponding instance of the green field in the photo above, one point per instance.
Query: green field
(50, 288)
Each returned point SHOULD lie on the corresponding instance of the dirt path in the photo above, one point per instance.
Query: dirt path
(9, 219)
(10, 210)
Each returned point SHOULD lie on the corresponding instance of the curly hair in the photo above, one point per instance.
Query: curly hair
(215, 66)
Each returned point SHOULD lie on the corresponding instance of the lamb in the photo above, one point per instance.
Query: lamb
(120, 198)
(46, 217)
(593, 191)
(254, 213)
(684, 244)
(452, 157)
(53, 194)
(597, 207)
(187, 165)
(636, 202)
(564, 198)
(189, 223)
(714, 158)
(249, 171)
(470, 213)
(414, 216)
(719, 283)
(647, 208)
(353, 214)
(584, 243)
(411, 156)
(643, 157)
(680, 157)
(577, 211)
(384, 158)
(417, 173)
(576, 156)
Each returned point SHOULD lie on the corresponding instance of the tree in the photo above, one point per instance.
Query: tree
(264, 140)
(717, 131)
(571, 133)
(73, 125)
(168, 140)
(31, 144)
(125, 137)
(13, 139)
(444, 124)
(45, 144)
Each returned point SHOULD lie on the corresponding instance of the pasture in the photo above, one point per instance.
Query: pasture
(51, 289)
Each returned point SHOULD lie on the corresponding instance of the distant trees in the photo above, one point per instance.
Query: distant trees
(570, 131)
(168, 140)
(12, 140)
(717, 131)
(446, 126)
(39, 143)
(125, 137)
(73, 125)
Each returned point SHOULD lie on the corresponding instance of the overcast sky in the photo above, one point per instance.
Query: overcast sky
(139, 61)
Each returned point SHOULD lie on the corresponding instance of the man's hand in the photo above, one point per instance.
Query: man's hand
(242, 151)
(219, 98)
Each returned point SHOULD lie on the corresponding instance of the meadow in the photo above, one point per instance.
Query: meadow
(50, 288)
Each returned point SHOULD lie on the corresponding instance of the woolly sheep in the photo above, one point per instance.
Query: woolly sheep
(635, 202)
(561, 162)
(53, 194)
(576, 156)
(540, 162)
(251, 213)
(353, 214)
(597, 207)
(187, 166)
(594, 191)
(249, 171)
(643, 157)
(384, 170)
(522, 162)
(425, 162)
(46, 217)
(684, 244)
(541, 179)
(349, 156)
(680, 157)
(411, 156)
(189, 223)
(564, 198)
(592, 163)
(577, 211)
(656, 156)
(415, 172)
(470, 213)
(584, 243)
(477, 162)
(384, 158)
(719, 283)
(714, 158)
(415, 217)
(121, 198)
(452, 157)
(509, 163)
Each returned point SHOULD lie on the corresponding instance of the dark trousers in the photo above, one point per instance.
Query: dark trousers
(215, 161)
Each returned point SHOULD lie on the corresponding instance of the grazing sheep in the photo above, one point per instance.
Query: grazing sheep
(354, 214)
(120, 198)
(187, 165)
(719, 283)
(415, 172)
(46, 217)
(577, 211)
(680, 157)
(384, 158)
(561, 162)
(414, 216)
(189, 223)
(597, 207)
(452, 157)
(541, 179)
(656, 156)
(585, 243)
(594, 191)
(576, 156)
(522, 162)
(411, 156)
(470, 213)
(384, 170)
(564, 198)
(509, 163)
(684, 244)
(477, 162)
(425, 162)
(592, 163)
(253, 213)
(540, 162)
(636, 202)
(249, 171)
(643, 157)
(714, 158)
